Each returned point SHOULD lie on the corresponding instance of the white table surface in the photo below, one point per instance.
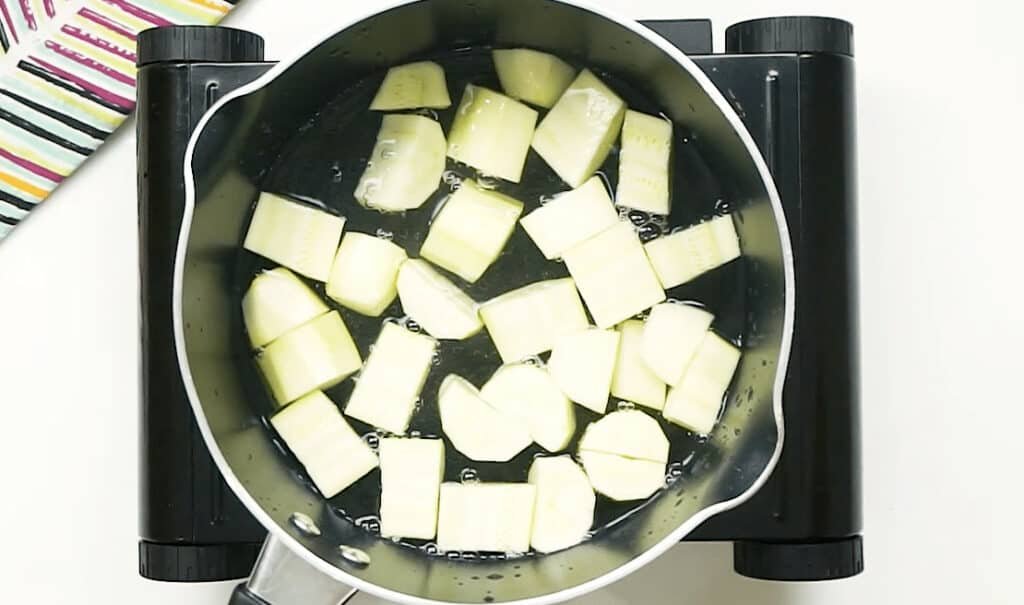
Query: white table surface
(941, 94)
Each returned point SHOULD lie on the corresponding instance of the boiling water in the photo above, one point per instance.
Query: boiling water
(322, 165)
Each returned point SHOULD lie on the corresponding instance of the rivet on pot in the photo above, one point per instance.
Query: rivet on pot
(354, 555)
(304, 524)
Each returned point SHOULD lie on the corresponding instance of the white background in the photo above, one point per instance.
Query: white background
(941, 94)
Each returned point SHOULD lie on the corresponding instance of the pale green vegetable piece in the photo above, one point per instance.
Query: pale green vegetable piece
(492, 133)
(680, 257)
(317, 355)
(564, 511)
(528, 392)
(629, 433)
(388, 387)
(571, 218)
(613, 275)
(277, 301)
(295, 235)
(476, 428)
(577, 134)
(413, 86)
(470, 231)
(365, 273)
(405, 166)
(696, 401)
(532, 76)
(633, 380)
(623, 479)
(435, 303)
(582, 364)
(530, 320)
(672, 335)
(644, 163)
(495, 517)
(333, 455)
(411, 471)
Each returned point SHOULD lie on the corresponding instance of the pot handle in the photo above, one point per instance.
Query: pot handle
(281, 577)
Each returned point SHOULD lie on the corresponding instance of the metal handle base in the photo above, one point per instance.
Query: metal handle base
(283, 578)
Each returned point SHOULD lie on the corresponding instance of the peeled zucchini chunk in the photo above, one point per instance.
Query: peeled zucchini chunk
(405, 166)
(470, 231)
(365, 273)
(495, 517)
(683, 256)
(629, 433)
(644, 163)
(297, 236)
(411, 471)
(492, 133)
(694, 403)
(633, 379)
(529, 320)
(528, 393)
(671, 337)
(436, 303)
(332, 453)
(413, 86)
(476, 428)
(532, 76)
(614, 275)
(317, 355)
(577, 134)
(583, 363)
(623, 479)
(564, 511)
(277, 302)
(571, 218)
(388, 387)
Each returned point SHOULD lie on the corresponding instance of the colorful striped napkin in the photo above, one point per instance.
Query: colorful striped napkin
(67, 80)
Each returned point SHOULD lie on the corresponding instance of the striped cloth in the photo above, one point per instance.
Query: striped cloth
(67, 80)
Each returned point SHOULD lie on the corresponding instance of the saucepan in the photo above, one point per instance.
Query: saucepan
(300, 130)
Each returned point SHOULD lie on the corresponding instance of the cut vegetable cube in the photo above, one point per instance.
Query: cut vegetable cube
(411, 471)
(672, 335)
(317, 355)
(633, 380)
(388, 387)
(277, 302)
(532, 76)
(623, 479)
(495, 517)
(583, 363)
(528, 392)
(492, 133)
(613, 275)
(529, 320)
(297, 236)
(405, 166)
(564, 511)
(629, 433)
(470, 231)
(332, 453)
(476, 428)
(413, 86)
(436, 303)
(683, 256)
(577, 134)
(695, 402)
(365, 273)
(571, 218)
(644, 163)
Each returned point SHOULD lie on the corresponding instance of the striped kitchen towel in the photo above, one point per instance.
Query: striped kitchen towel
(67, 80)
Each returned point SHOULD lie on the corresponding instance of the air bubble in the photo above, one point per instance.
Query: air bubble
(722, 206)
(370, 523)
(625, 405)
(430, 549)
(336, 174)
(638, 217)
(384, 234)
(372, 439)
(547, 199)
(450, 177)
(435, 359)
(534, 361)
(469, 475)
(486, 182)
(410, 324)
(649, 232)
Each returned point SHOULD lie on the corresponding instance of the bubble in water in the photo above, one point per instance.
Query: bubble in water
(410, 324)
(534, 360)
(450, 177)
(675, 471)
(547, 199)
(416, 434)
(430, 549)
(722, 206)
(625, 405)
(638, 217)
(435, 359)
(372, 439)
(453, 555)
(336, 174)
(385, 234)
(486, 182)
(370, 523)
(649, 232)
(469, 475)
(469, 556)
